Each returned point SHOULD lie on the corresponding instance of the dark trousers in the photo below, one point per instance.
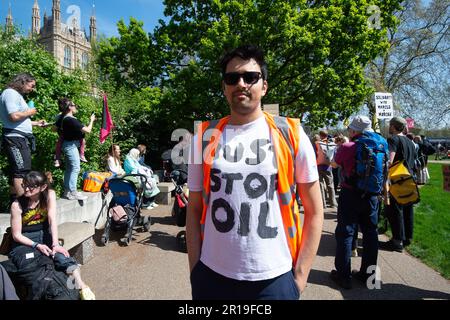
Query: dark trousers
(401, 219)
(18, 152)
(353, 209)
(209, 285)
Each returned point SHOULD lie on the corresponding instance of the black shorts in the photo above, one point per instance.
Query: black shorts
(19, 155)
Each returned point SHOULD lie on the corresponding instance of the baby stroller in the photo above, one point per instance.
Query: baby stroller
(179, 178)
(169, 166)
(127, 198)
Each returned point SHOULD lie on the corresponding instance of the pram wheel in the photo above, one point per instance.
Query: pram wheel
(104, 240)
(146, 223)
(181, 241)
(125, 240)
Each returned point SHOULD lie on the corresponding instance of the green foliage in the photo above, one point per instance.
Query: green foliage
(316, 54)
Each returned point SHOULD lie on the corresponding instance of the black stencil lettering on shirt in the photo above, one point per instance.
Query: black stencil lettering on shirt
(215, 179)
(230, 177)
(254, 193)
(222, 226)
(244, 219)
(272, 186)
(256, 148)
(274, 158)
(238, 153)
(264, 231)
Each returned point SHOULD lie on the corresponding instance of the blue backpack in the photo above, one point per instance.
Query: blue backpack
(371, 162)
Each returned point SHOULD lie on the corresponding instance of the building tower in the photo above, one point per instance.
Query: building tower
(93, 27)
(56, 14)
(35, 19)
(9, 19)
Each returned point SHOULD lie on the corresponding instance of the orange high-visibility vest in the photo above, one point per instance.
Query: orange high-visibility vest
(285, 136)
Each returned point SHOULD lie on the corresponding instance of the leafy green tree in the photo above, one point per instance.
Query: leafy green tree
(316, 51)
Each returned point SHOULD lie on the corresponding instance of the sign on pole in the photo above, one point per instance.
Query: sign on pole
(384, 105)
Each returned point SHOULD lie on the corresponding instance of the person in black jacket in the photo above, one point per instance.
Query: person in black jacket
(400, 216)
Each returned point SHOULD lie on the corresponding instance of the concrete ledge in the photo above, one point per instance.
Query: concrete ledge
(165, 195)
(77, 238)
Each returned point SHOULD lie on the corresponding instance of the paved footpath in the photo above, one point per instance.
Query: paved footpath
(153, 268)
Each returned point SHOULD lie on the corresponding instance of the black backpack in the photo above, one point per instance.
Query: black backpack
(37, 279)
(427, 148)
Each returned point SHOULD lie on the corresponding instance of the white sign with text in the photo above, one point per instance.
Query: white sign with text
(384, 105)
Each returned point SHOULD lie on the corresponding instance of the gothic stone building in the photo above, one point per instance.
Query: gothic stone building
(67, 43)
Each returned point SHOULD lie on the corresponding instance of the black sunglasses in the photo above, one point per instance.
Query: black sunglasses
(250, 77)
(31, 187)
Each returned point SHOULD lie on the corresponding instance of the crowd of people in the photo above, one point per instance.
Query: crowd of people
(34, 230)
(245, 195)
(360, 210)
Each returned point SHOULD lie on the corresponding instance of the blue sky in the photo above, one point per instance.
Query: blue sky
(107, 12)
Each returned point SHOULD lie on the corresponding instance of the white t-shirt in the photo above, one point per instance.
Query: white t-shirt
(114, 166)
(244, 237)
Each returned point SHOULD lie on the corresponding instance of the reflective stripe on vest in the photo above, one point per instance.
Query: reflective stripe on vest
(285, 137)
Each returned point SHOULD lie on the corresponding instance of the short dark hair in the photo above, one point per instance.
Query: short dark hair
(398, 123)
(245, 52)
(17, 83)
(64, 105)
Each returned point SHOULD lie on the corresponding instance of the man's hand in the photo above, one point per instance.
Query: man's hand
(40, 123)
(300, 281)
(32, 112)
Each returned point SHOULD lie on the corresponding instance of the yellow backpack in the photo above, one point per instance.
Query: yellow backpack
(403, 187)
(93, 181)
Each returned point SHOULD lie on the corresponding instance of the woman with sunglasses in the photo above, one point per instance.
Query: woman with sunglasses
(73, 131)
(35, 231)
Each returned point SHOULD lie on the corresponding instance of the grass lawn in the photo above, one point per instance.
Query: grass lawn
(431, 241)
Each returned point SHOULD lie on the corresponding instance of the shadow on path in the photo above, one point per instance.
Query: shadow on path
(387, 291)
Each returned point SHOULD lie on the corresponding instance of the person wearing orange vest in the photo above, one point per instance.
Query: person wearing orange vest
(243, 227)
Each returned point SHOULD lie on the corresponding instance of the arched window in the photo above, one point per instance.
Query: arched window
(84, 61)
(68, 57)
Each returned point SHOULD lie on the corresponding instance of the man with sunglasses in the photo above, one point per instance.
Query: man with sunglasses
(243, 226)
(17, 134)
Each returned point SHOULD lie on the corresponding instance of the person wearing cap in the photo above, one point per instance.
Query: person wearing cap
(400, 216)
(354, 207)
(73, 131)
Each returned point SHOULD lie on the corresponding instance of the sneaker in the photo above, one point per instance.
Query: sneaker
(87, 294)
(79, 195)
(68, 195)
(75, 195)
(392, 245)
(341, 282)
(354, 252)
(361, 277)
(83, 159)
(57, 164)
(154, 205)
